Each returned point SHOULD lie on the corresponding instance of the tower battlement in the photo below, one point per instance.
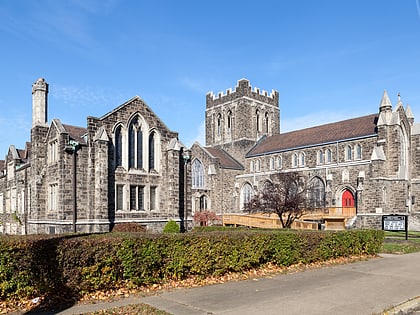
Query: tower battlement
(243, 88)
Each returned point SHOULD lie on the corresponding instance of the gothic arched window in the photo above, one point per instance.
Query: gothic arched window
(320, 157)
(203, 203)
(358, 151)
(246, 194)
(272, 164)
(302, 159)
(219, 124)
(279, 162)
(258, 120)
(317, 192)
(135, 145)
(295, 160)
(229, 122)
(267, 127)
(118, 146)
(328, 156)
(152, 151)
(348, 153)
(197, 174)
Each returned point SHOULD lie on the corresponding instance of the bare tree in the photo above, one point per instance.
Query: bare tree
(287, 195)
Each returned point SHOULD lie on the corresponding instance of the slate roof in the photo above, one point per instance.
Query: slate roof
(359, 127)
(76, 133)
(225, 159)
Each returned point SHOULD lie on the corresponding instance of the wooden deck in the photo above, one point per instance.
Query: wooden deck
(334, 218)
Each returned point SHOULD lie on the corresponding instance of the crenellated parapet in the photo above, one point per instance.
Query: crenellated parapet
(243, 89)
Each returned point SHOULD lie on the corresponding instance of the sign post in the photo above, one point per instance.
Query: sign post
(395, 222)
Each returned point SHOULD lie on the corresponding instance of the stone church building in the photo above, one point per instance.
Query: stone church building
(123, 167)
(369, 163)
(128, 167)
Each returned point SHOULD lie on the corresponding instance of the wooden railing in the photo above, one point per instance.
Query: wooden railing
(257, 220)
(334, 218)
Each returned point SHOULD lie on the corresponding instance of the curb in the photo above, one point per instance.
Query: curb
(405, 308)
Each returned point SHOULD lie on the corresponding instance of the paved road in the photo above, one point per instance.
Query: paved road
(366, 287)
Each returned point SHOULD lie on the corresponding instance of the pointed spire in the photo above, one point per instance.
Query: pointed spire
(409, 114)
(399, 103)
(385, 103)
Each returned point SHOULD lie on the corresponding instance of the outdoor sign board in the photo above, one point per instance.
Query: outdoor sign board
(395, 222)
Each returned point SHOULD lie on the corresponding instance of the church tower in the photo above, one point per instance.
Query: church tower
(39, 103)
(237, 119)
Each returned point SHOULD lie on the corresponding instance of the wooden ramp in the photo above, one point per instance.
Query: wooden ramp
(331, 218)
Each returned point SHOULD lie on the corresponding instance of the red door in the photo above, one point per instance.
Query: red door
(347, 199)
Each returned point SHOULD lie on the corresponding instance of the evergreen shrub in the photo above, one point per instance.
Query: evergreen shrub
(171, 227)
(72, 265)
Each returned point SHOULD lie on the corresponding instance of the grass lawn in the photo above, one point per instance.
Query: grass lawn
(141, 309)
(395, 242)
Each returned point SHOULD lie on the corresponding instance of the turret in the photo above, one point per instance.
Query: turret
(39, 103)
(385, 105)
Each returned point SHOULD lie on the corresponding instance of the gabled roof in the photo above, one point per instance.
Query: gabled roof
(225, 159)
(360, 127)
(76, 133)
(144, 104)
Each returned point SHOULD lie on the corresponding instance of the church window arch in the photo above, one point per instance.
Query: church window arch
(219, 124)
(267, 123)
(257, 113)
(229, 122)
(320, 157)
(203, 203)
(197, 174)
(295, 160)
(279, 162)
(317, 192)
(135, 144)
(247, 192)
(328, 156)
(358, 151)
(252, 166)
(348, 153)
(152, 151)
(257, 165)
(302, 159)
(272, 164)
(118, 146)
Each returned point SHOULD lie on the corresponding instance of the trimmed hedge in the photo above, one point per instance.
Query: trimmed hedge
(74, 265)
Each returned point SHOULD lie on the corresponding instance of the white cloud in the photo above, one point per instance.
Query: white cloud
(76, 96)
(200, 135)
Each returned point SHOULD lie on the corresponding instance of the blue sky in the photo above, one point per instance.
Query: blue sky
(330, 60)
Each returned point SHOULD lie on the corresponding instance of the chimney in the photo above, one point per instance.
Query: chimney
(39, 103)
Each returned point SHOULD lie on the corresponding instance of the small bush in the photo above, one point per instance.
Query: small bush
(171, 227)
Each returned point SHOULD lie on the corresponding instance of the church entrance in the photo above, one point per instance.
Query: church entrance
(347, 199)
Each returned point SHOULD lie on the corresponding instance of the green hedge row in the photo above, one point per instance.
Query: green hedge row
(74, 265)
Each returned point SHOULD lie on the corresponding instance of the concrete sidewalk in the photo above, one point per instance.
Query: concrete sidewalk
(366, 287)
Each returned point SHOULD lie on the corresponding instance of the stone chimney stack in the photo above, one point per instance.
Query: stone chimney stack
(39, 103)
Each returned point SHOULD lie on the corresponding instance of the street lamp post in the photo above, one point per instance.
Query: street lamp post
(187, 157)
(72, 149)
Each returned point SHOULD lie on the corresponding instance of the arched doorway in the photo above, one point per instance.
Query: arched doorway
(347, 199)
